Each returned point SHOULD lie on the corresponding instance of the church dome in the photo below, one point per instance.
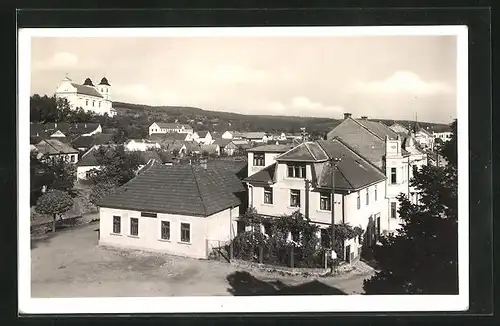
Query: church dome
(88, 82)
(104, 81)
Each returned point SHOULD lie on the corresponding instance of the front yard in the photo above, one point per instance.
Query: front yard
(70, 264)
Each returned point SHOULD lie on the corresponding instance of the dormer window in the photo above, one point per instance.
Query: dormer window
(258, 159)
(297, 171)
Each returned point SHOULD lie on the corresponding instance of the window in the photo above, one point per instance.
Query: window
(258, 159)
(86, 102)
(375, 199)
(72, 157)
(185, 232)
(393, 210)
(117, 224)
(146, 214)
(296, 171)
(93, 103)
(134, 226)
(99, 103)
(165, 230)
(393, 175)
(359, 200)
(294, 198)
(268, 195)
(367, 196)
(325, 201)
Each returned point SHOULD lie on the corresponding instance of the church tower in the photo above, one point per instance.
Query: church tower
(104, 88)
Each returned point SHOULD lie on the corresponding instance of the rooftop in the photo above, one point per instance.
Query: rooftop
(197, 192)
(272, 148)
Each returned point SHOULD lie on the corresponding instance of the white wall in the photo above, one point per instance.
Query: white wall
(81, 171)
(140, 146)
(87, 103)
(269, 158)
(215, 227)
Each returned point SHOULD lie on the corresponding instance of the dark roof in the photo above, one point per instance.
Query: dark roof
(378, 128)
(167, 136)
(202, 133)
(151, 163)
(88, 159)
(305, 152)
(222, 142)
(266, 175)
(86, 90)
(89, 141)
(237, 167)
(353, 171)
(71, 128)
(166, 157)
(361, 140)
(104, 81)
(177, 189)
(272, 148)
(53, 147)
(88, 82)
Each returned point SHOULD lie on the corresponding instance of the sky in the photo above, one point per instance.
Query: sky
(391, 77)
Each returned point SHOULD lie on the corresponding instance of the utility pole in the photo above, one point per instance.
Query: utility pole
(333, 164)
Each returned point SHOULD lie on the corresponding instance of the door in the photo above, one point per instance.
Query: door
(348, 253)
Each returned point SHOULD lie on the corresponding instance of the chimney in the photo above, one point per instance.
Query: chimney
(364, 117)
(347, 115)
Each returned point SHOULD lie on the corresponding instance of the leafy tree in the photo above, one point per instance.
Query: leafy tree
(54, 202)
(423, 257)
(117, 166)
(101, 190)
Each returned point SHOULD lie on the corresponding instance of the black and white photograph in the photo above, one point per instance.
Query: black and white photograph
(243, 169)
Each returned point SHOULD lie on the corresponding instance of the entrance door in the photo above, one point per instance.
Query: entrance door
(348, 253)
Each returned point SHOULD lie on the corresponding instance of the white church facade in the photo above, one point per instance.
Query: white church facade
(89, 97)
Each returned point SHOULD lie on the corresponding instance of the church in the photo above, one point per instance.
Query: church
(87, 96)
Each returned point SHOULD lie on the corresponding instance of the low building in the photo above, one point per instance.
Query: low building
(141, 145)
(301, 179)
(223, 146)
(161, 137)
(84, 143)
(39, 131)
(162, 127)
(87, 163)
(188, 219)
(54, 149)
(204, 137)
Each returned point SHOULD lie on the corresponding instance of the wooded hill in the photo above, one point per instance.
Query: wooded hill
(219, 121)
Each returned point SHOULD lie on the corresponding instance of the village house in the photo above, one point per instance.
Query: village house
(262, 156)
(39, 131)
(96, 99)
(204, 137)
(160, 137)
(141, 145)
(223, 146)
(385, 149)
(162, 127)
(54, 149)
(147, 213)
(192, 137)
(301, 179)
(210, 149)
(87, 163)
(422, 136)
(84, 143)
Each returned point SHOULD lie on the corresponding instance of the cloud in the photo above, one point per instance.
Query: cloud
(401, 82)
(227, 74)
(303, 106)
(142, 94)
(59, 60)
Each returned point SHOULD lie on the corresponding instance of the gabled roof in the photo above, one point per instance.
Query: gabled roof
(305, 152)
(89, 158)
(197, 192)
(222, 142)
(379, 129)
(353, 171)
(149, 155)
(71, 128)
(89, 141)
(54, 147)
(202, 133)
(167, 136)
(272, 148)
(237, 167)
(86, 90)
(266, 175)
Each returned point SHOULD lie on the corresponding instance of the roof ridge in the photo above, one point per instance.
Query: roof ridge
(366, 128)
(205, 210)
(305, 144)
(358, 154)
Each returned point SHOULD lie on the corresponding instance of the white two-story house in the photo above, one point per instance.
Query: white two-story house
(301, 179)
(163, 128)
(395, 156)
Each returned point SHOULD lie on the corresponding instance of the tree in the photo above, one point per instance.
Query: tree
(117, 166)
(54, 202)
(423, 257)
(101, 190)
